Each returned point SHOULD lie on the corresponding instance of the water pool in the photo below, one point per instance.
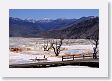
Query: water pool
(73, 51)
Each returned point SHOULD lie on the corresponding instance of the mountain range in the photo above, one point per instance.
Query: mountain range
(84, 27)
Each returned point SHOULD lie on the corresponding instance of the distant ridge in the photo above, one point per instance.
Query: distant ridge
(85, 27)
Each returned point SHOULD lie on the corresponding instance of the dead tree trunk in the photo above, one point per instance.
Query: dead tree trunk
(47, 47)
(57, 47)
(95, 42)
(95, 51)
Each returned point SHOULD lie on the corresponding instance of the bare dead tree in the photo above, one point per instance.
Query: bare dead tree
(47, 47)
(95, 42)
(95, 49)
(56, 47)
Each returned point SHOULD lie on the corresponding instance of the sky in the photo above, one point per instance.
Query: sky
(52, 13)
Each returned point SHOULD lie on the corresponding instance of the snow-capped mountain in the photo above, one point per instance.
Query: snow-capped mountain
(69, 28)
(45, 20)
(43, 24)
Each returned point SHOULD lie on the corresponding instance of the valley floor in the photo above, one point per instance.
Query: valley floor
(77, 47)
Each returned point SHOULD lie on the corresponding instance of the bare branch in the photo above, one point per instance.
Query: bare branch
(57, 47)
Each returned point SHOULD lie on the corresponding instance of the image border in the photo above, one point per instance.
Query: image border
(102, 71)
